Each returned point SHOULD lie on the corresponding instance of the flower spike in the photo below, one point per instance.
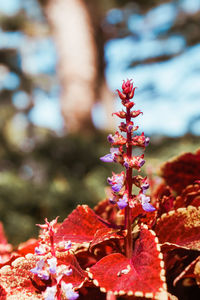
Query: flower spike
(121, 184)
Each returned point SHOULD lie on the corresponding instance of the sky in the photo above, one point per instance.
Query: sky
(168, 92)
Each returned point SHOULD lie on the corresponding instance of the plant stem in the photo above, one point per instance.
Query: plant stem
(128, 238)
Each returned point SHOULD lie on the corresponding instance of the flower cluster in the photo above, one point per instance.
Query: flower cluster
(121, 152)
(47, 267)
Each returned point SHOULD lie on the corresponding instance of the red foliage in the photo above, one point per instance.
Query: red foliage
(125, 276)
(182, 171)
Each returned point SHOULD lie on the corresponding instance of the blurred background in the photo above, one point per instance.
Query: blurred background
(60, 64)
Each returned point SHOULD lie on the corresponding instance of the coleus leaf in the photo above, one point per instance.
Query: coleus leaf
(106, 234)
(27, 247)
(189, 196)
(142, 275)
(182, 171)
(180, 227)
(108, 212)
(16, 279)
(189, 271)
(78, 276)
(5, 248)
(80, 226)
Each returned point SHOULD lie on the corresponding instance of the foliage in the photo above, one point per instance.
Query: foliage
(89, 254)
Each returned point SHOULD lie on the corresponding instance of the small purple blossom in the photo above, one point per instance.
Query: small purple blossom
(145, 203)
(38, 270)
(147, 140)
(40, 250)
(117, 181)
(52, 262)
(111, 157)
(113, 200)
(68, 272)
(68, 290)
(39, 267)
(130, 128)
(141, 162)
(126, 163)
(50, 293)
(110, 139)
(123, 202)
(144, 185)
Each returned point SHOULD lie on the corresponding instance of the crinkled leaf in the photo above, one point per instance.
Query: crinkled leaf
(17, 280)
(27, 247)
(109, 212)
(80, 226)
(144, 217)
(189, 271)
(78, 276)
(2, 293)
(142, 275)
(189, 196)
(106, 234)
(180, 227)
(197, 272)
(182, 171)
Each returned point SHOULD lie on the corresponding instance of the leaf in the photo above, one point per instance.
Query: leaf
(5, 248)
(78, 276)
(16, 279)
(2, 293)
(180, 227)
(189, 196)
(108, 212)
(182, 171)
(27, 247)
(80, 226)
(142, 275)
(189, 271)
(106, 234)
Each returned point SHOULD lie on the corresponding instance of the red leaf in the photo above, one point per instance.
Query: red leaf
(5, 248)
(78, 276)
(106, 234)
(182, 171)
(142, 275)
(180, 227)
(188, 271)
(27, 247)
(16, 278)
(80, 226)
(2, 293)
(189, 196)
(108, 212)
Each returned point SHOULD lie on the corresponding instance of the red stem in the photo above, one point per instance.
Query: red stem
(128, 238)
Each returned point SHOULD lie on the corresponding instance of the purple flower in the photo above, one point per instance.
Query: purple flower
(52, 262)
(111, 157)
(39, 267)
(113, 200)
(38, 270)
(50, 293)
(144, 185)
(145, 203)
(68, 291)
(126, 163)
(147, 140)
(40, 250)
(123, 202)
(130, 128)
(117, 181)
(110, 139)
(141, 162)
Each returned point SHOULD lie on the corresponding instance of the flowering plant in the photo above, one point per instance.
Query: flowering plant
(130, 246)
